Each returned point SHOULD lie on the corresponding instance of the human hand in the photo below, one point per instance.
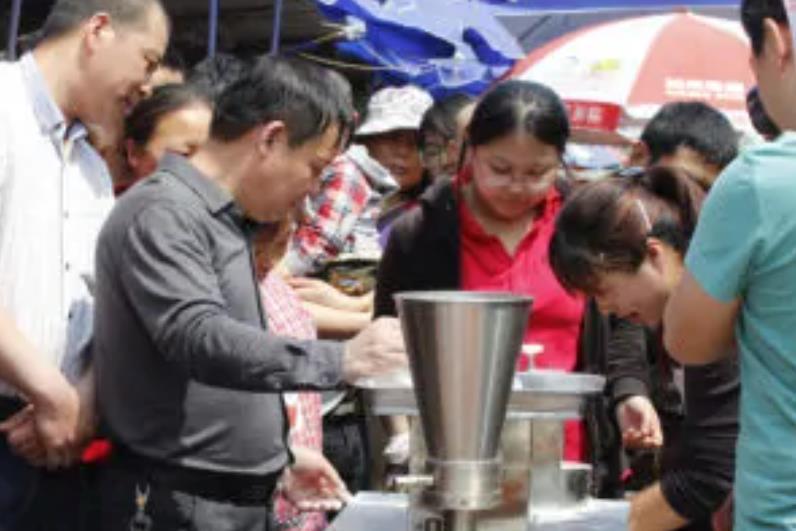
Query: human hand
(639, 423)
(312, 483)
(379, 349)
(22, 438)
(45, 432)
(322, 293)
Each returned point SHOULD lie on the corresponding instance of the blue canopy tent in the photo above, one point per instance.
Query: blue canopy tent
(437, 44)
(465, 45)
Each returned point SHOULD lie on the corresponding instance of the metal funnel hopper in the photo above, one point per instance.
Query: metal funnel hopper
(462, 350)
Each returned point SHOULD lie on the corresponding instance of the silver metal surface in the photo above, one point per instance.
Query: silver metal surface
(547, 449)
(404, 483)
(593, 515)
(539, 394)
(462, 349)
(485, 474)
(559, 382)
(514, 480)
(372, 511)
(465, 485)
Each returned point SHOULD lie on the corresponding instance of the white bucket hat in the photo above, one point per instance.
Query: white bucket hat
(395, 108)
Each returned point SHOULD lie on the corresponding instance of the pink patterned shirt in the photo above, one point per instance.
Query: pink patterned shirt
(287, 317)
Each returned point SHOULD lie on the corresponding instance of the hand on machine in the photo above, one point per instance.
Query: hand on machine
(639, 423)
(312, 483)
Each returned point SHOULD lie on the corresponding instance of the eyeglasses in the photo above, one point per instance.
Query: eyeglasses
(529, 183)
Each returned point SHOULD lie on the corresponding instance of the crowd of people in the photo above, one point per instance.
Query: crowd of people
(197, 264)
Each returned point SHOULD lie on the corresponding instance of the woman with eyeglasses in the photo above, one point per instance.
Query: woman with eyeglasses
(622, 241)
(489, 228)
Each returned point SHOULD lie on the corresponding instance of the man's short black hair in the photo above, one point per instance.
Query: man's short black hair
(214, 74)
(754, 12)
(293, 91)
(66, 15)
(694, 125)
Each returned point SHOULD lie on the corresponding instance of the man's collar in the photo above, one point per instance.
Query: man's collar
(214, 196)
(49, 116)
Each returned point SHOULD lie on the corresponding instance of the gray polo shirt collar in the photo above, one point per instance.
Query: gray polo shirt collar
(215, 197)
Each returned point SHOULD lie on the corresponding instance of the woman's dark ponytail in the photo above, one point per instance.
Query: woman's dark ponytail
(682, 194)
(604, 225)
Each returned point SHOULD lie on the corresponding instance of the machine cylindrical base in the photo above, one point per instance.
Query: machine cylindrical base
(465, 485)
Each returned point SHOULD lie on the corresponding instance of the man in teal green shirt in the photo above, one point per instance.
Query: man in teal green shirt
(740, 285)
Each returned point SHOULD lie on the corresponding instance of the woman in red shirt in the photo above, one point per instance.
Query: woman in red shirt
(489, 230)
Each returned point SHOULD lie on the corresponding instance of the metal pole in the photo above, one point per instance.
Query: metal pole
(13, 29)
(276, 35)
(212, 28)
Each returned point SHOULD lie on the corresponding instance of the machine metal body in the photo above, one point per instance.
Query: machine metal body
(486, 445)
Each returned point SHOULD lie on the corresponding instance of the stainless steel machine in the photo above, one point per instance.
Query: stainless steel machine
(487, 449)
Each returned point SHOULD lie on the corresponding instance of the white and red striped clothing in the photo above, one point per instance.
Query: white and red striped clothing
(287, 317)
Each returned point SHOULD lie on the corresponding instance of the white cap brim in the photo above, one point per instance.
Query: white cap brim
(381, 125)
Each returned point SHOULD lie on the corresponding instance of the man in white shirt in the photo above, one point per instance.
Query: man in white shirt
(93, 63)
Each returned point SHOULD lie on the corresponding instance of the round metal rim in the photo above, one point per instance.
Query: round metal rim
(463, 297)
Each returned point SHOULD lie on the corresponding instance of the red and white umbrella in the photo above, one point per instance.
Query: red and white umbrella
(618, 74)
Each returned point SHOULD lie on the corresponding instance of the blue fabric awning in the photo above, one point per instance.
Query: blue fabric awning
(461, 45)
(441, 45)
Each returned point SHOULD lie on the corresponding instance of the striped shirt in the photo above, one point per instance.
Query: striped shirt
(55, 193)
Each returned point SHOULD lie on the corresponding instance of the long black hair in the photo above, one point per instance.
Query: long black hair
(525, 106)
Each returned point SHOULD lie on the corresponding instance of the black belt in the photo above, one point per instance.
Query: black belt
(10, 406)
(232, 488)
